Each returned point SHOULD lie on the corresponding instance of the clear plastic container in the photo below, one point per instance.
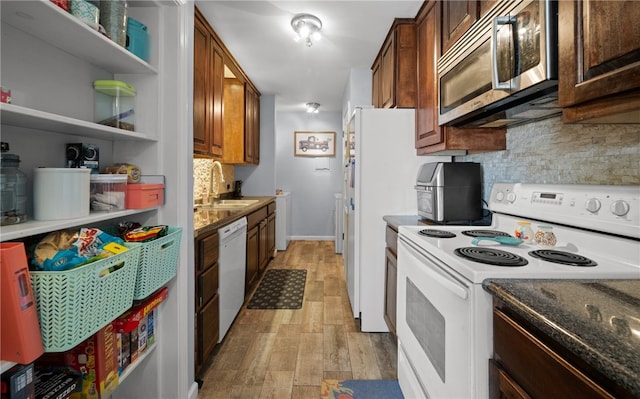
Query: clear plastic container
(115, 102)
(113, 17)
(108, 192)
(13, 189)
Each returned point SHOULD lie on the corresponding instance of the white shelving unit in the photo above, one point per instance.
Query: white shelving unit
(49, 60)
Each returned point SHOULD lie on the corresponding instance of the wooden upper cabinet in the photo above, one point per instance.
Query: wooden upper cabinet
(226, 115)
(207, 98)
(201, 88)
(457, 18)
(430, 137)
(394, 69)
(599, 66)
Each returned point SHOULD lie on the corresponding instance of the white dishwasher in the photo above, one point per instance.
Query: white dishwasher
(231, 269)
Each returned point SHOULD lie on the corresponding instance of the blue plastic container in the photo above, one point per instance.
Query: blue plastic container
(137, 38)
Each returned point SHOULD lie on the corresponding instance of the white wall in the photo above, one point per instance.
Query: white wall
(312, 198)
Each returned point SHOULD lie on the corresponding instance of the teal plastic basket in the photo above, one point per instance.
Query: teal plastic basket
(74, 304)
(158, 262)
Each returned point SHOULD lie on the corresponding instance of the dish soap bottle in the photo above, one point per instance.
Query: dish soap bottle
(13, 188)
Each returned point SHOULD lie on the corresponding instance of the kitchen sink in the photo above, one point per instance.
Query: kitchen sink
(228, 204)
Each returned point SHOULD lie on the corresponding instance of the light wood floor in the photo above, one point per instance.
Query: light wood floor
(286, 353)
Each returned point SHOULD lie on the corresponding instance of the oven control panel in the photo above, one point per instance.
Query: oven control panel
(612, 209)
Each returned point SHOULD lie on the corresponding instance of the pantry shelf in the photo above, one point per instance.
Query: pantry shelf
(52, 24)
(127, 372)
(14, 115)
(34, 227)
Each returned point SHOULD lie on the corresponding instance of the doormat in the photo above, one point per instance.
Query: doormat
(360, 389)
(280, 289)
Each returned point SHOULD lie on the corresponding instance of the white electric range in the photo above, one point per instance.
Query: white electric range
(444, 315)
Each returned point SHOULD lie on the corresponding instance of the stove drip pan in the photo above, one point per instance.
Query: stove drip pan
(485, 233)
(491, 256)
(436, 233)
(563, 258)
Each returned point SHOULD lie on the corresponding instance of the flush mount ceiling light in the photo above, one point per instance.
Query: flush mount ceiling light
(307, 27)
(313, 107)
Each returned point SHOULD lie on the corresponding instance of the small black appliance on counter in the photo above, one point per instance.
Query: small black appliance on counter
(237, 189)
(449, 191)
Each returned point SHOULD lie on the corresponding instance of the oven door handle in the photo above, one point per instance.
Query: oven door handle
(448, 281)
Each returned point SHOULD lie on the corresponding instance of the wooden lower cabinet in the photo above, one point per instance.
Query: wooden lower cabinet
(207, 317)
(529, 364)
(253, 258)
(261, 243)
(391, 278)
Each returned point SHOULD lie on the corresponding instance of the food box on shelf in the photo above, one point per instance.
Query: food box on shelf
(148, 193)
(56, 382)
(96, 358)
(108, 192)
(92, 296)
(130, 320)
(17, 382)
(115, 104)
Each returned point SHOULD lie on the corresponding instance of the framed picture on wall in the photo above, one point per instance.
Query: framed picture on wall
(314, 144)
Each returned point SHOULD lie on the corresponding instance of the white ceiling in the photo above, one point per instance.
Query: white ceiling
(259, 35)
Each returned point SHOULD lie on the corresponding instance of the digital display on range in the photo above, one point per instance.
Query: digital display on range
(547, 196)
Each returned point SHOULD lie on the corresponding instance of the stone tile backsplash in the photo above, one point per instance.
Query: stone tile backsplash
(204, 180)
(552, 152)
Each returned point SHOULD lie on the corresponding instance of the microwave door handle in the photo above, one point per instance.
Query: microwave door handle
(497, 22)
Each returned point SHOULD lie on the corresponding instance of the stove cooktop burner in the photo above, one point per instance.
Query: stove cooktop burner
(436, 233)
(491, 256)
(485, 233)
(563, 258)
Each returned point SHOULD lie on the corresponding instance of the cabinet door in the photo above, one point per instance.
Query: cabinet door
(502, 386)
(201, 88)
(253, 260)
(390, 290)
(217, 93)
(271, 235)
(207, 250)
(209, 328)
(208, 285)
(252, 126)
(427, 130)
(388, 73)
(598, 60)
(376, 81)
(263, 254)
(457, 18)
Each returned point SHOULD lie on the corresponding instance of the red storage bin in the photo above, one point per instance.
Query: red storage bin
(142, 195)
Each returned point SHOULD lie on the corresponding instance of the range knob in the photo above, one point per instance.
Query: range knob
(619, 207)
(593, 205)
(499, 195)
(511, 197)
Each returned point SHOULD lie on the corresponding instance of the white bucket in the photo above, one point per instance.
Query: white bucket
(60, 193)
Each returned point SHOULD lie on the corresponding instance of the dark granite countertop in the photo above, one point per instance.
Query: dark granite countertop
(206, 220)
(415, 220)
(596, 320)
(405, 220)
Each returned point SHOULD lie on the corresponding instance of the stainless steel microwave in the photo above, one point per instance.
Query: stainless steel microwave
(504, 70)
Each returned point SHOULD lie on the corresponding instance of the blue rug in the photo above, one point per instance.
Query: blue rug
(361, 389)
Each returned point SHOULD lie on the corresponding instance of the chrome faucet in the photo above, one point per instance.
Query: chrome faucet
(215, 182)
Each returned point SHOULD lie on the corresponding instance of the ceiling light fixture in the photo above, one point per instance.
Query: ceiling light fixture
(307, 27)
(313, 107)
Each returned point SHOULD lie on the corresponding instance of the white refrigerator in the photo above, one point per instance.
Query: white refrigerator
(380, 169)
